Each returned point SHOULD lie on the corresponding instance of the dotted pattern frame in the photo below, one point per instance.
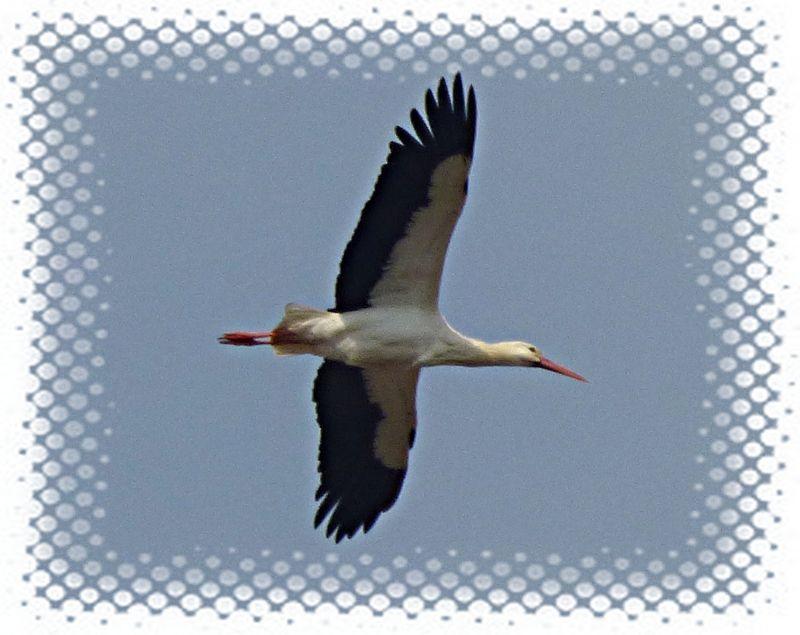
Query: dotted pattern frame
(722, 65)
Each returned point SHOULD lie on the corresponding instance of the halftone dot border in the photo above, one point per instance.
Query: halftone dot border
(731, 219)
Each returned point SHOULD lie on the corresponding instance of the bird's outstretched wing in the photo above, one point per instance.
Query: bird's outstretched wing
(367, 419)
(396, 254)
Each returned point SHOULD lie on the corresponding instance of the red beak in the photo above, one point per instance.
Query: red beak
(558, 368)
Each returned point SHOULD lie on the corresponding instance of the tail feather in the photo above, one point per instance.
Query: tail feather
(293, 311)
(288, 336)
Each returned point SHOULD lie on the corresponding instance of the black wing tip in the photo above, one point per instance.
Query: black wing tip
(443, 96)
(429, 98)
(449, 121)
(440, 105)
(458, 94)
(338, 528)
(405, 137)
(472, 107)
(437, 108)
(426, 137)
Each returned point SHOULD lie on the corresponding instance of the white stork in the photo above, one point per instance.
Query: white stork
(386, 324)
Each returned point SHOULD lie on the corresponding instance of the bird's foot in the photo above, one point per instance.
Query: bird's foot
(246, 338)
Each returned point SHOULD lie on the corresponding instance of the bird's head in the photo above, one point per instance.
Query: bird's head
(526, 354)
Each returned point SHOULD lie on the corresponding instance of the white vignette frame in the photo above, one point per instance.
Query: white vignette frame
(772, 604)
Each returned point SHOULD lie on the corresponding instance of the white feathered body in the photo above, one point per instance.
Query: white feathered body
(403, 335)
(400, 335)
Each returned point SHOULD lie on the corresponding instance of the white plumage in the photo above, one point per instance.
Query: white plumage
(386, 325)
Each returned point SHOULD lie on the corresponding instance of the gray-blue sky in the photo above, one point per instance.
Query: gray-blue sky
(227, 201)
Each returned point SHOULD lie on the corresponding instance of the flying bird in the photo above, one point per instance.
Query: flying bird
(386, 325)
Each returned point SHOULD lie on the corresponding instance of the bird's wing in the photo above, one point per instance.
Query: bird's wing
(367, 419)
(396, 254)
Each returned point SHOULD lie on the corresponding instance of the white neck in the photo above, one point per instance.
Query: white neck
(473, 352)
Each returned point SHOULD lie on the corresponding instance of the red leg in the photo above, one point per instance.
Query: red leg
(246, 338)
